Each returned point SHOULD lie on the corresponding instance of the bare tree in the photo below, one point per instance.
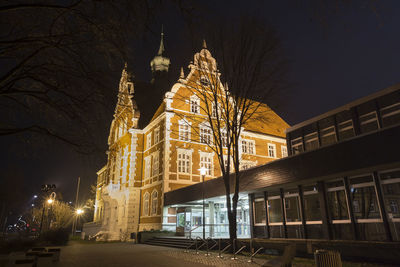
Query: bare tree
(232, 91)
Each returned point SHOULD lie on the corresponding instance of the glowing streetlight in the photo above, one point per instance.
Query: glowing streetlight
(50, 201)
(79, 211)
(35, 196)
(203, 172)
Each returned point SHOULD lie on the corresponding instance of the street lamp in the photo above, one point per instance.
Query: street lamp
(203, 172)
(78, 212)
(50, 201)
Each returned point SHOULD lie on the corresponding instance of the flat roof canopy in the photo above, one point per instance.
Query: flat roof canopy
(363, 153)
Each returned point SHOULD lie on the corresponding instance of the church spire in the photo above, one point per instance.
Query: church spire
(160, 62)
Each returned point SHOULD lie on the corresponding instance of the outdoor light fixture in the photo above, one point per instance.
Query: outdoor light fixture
(79, 211)
(50, 201)
(35, 196)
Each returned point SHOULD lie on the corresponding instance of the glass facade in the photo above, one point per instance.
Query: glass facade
(189, 218)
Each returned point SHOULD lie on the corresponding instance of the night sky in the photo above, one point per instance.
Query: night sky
(355, 53)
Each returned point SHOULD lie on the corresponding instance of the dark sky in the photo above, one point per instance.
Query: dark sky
(354, 54)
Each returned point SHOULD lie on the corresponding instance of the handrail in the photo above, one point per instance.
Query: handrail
(191, 230)
(197, 248)
(191, 244)
(252, 255)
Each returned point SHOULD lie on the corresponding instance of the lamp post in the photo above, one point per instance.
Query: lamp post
(203, 172)
(46, 188)
(78, 212)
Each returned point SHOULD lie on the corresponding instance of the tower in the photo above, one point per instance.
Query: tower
(160, 62)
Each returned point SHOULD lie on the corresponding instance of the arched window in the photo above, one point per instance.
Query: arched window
(146, 204)
(154, 202)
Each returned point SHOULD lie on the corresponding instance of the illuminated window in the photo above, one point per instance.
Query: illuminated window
(206, 162)
(184, 161)
(155, 164)
(148, 141)
(154, 202)
(271, 150)
(205, 134)
(194, 104)
(248, 146)
(147, 168)
(146, 204)
(259, 211)
(284, 151)
(184, 130)
(157, 135)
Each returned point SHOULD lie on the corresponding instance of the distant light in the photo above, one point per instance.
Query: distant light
(33, 205)
(203, 171)
(70, 202)
(50, 201)
(35, 196)
(79, 211)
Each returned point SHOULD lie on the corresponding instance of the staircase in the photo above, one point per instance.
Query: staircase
(175, 242)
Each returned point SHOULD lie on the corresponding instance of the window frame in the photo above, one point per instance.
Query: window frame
(146, 204)
(148, 140)
(273, 146)
(194, 104)
(186, 161)
(154, 208)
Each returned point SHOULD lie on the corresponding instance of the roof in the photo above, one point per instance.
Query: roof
(346, 107)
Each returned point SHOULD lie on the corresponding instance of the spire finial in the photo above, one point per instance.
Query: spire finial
(126, 65)
(161, 49)
(204, 44)
(182, 76)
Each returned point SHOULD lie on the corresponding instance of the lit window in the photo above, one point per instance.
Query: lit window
(184, 161)
(194, 104)
(284, 151)
(248, 147)
(148, 141)
(157, 135)
(259, 211)
(271, 150)
(154, 202)
(146, 204)
(184, 131)
(205, 134)
(155, 164)
(147, 169)
(206, 162)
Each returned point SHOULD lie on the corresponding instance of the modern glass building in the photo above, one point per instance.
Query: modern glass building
(341, 181)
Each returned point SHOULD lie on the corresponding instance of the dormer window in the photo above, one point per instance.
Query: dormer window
(204, 81)
(194, 104)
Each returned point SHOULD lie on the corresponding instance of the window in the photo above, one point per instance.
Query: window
(292, 206)
(148, 140)
(364, 198)
(390, 115)
(337, 202)
(368, 122)
(284, 151)
(206, 162)
(204, 81)
(297, 145)
(271, 150)
(328, 136)
(154, 202)
(345, 130)
(157, 135)
(224, 138)
(274, 208)
(184, 161)
(248, 146)
(146, 204)
(156, 162)
(311, 141)
(214, 110)
(390, 181)
(147, 168)
(205, 134)
(312, 208)
(194, 104)
(244, 164)
(184, 130)
(259, 211)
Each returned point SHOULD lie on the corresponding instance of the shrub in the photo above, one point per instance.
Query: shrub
(57, 237)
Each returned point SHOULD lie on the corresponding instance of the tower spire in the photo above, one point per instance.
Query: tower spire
(161, 49)
(160, 62)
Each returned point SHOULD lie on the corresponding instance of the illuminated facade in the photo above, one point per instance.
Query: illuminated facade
(147, 158)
